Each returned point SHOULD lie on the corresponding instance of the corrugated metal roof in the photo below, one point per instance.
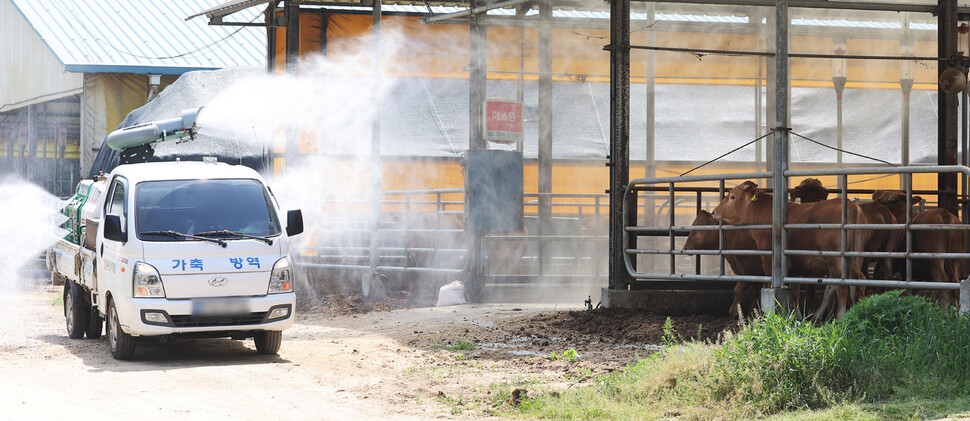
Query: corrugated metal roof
(228, 8)
(142, 36)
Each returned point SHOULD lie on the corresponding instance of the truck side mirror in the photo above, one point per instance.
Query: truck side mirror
(112, 229)
(294, 222)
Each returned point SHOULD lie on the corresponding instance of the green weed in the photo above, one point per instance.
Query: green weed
(459, 346)
(567, 355)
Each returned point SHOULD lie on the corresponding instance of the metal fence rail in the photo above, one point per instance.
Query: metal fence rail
(422, 232)
(672, 230)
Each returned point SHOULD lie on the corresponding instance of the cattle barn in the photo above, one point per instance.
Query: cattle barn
(635, 116)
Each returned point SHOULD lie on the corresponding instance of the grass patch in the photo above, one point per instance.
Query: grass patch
(568, 355)
(891, 357)
(459, 346)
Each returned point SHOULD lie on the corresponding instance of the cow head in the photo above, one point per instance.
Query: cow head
(702, 240)
(895, 200)
(735, 208)
(892, 197)
(810, 190)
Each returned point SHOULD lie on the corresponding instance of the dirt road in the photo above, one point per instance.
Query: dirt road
(379, 365)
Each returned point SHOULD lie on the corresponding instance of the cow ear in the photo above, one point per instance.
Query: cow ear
(917, 199)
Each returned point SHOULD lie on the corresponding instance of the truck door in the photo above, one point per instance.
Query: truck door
(111, 253)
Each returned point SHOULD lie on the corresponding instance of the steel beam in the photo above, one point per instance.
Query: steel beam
(478, 64)
(545, 133)
(947, 115)
(371, 284)
(779, 238)
(821, 4)
(619, 159)
(292, 37)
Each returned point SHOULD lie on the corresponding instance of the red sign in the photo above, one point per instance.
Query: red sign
(503, 121)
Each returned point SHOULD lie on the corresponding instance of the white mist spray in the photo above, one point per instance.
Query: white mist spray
(30, 221)
(329, 108)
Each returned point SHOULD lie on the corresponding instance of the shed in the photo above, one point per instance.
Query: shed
(70, 71)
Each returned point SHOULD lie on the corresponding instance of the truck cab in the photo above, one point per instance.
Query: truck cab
(192, 249)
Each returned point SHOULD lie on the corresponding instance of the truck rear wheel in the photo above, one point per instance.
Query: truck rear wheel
(95, 324)
(268, 342)
(75, 311)
(122, 344)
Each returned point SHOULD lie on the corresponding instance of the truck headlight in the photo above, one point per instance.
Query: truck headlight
(281, 280)
(148, 284)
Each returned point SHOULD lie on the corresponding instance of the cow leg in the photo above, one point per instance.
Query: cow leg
(843, 295)
(937, 273)
(740, 291)
(953, 267)
(826, 303)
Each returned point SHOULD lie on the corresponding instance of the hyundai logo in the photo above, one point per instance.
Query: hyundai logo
(218, 282)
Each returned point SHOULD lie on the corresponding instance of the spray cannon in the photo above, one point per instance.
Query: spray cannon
(148, 134)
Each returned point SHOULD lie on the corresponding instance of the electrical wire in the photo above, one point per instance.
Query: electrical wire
(728, 153)
(843, 150)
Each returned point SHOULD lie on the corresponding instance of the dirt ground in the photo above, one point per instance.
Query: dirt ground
(346, 358)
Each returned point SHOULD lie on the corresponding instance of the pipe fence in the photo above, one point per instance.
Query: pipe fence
(671, 230)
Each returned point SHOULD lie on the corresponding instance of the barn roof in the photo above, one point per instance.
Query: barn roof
(141, 36)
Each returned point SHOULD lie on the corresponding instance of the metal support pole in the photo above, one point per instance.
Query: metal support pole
(28, 168)
(907, 86)
(474, 276)
(372, 287)
(292, 37)
(270, 18)
(908, 188)
(619, 159)
(292, 11)
(650, 169)
(843, 185)
(777, 297)
(965, 143)
(770, 87)
(907, 48)
(947, 116)
(759, 110)
(838, 127)
(965, 296)
(839, 77)
(520, 78)
(545, 133)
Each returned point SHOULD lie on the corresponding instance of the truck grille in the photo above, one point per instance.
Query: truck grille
(208, 321)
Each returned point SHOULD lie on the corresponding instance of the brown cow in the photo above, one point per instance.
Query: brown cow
(745, 293)
(811, 190)
(747, 204)
(937, 270)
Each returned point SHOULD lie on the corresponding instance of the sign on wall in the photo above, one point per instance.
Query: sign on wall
(503, 121)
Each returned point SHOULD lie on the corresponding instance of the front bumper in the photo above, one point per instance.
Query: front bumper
(181, 316)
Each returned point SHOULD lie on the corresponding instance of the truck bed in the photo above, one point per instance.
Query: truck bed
(73, 262)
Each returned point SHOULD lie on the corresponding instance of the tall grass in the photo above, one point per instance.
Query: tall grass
(900, 345)
(888, 348)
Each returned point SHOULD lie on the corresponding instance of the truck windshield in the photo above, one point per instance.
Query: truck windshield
(200, 206)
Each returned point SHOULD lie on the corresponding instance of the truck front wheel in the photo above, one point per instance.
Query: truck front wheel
(268, 342)
(122, 344)
(75, 312)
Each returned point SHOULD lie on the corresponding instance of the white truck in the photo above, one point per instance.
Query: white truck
(189, 249)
